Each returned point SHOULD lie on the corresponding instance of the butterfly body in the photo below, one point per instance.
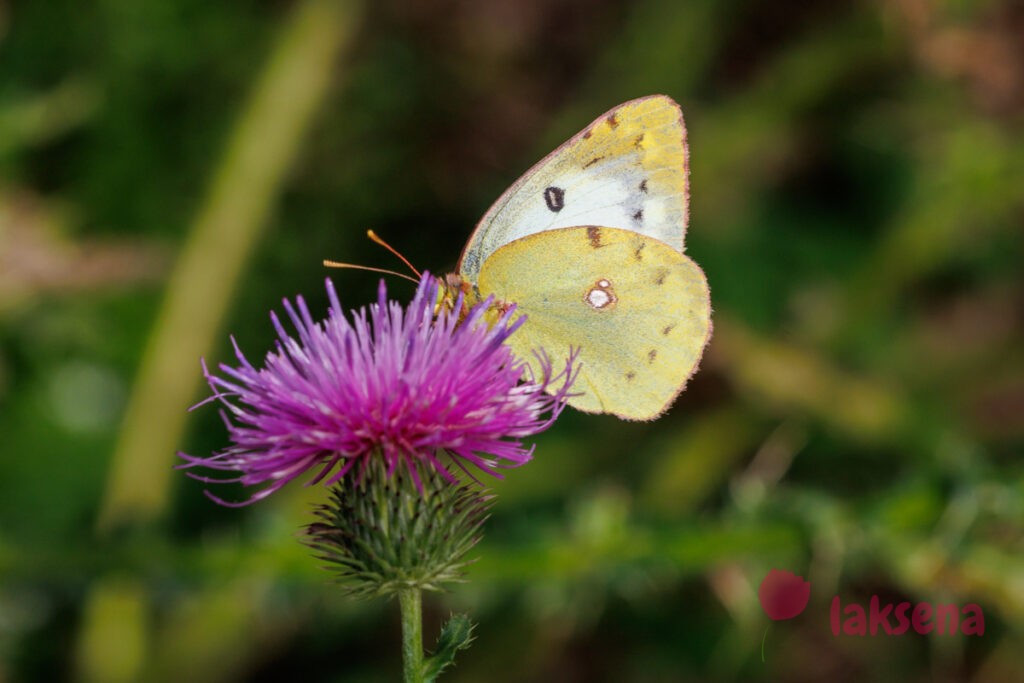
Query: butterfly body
(588, 245)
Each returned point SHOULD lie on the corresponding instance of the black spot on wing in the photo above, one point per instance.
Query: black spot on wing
(668, 329)
(639, 141)
(594, 236)
(643, 185)
(554, 197)
(639, 216)
(638, 252)
(613, 121)
(630, 376)
(660, 278)
(651, 355)
(592, 162)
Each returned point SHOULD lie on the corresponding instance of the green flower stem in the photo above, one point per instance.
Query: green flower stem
(411, 604)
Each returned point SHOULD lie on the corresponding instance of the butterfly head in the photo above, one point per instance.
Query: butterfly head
(457, 295)
(449, 289)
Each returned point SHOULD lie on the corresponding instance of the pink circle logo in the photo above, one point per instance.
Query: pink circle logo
(783, 594)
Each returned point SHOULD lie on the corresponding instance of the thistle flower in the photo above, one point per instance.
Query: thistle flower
(404, 385)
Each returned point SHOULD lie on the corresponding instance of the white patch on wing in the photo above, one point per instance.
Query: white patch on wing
(598, 298)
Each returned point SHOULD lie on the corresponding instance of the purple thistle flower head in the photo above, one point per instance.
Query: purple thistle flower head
(406, 385)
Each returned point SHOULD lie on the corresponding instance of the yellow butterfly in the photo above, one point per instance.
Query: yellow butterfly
(589, 246)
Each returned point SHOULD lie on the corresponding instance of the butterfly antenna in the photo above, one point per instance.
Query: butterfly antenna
(376, 238)
(336, 264)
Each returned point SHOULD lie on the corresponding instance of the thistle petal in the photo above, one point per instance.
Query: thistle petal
(400, 384)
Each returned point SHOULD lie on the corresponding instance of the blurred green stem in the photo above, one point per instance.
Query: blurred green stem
(411, 602)
(223, 236)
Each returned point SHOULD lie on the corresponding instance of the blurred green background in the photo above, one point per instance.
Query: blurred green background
(169, 170)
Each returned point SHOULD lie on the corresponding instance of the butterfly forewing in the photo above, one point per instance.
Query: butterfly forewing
(627, 169)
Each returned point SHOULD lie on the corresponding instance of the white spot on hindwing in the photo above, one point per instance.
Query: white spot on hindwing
(600, 296)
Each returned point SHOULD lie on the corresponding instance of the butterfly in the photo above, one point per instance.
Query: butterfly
(588, 245)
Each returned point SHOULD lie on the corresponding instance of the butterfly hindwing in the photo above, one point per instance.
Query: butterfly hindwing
(636, 307)
(627, 169)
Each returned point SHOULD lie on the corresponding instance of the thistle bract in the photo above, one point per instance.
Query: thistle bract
(382, 534)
